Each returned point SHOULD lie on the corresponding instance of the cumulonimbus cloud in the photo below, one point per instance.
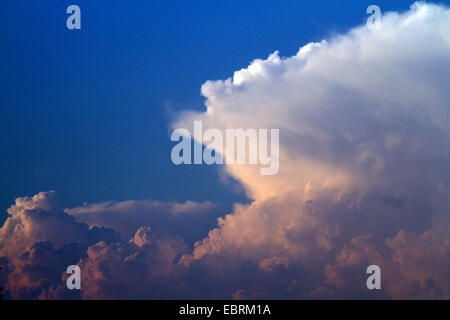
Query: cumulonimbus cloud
(363, 179)
(364, 140)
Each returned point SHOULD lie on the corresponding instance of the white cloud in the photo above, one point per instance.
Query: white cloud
(364, 129)
(337, 102)
(364, 179)
(41, 218)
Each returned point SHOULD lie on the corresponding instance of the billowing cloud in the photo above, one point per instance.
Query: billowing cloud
(413, 267)
(357, 112)
(39, 241)
(364, 179)
(141, 267)
(364, 135)
(41, 218)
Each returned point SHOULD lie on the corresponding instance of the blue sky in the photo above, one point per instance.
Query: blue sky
(86, 113)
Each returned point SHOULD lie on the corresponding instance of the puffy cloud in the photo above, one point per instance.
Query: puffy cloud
(364, 130)
(143, 267)
(41, 218)
(413, 267)
(422, 264)
(358, 112)
(38, 241)
(363, 180)
(39, 268)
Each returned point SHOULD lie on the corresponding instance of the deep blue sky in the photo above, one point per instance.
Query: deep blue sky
(86, 113)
